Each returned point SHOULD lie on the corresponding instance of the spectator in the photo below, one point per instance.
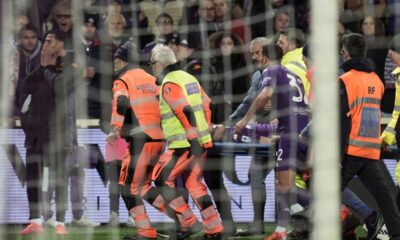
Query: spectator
(207, 25)
(188, 55)
(61, 18)
(256, 46)
(165, 26)
(89, 95)
(373, 31)
(390, 90)
(114, 35)
(61, 135)
(231, 67)
(224, 21)
(281, 21)
(32, 91)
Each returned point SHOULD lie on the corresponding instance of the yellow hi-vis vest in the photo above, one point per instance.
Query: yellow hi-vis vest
(174, 132)
(389, 135)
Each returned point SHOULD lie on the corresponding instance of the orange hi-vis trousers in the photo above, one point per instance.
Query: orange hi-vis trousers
(135, 181)
(177, 162)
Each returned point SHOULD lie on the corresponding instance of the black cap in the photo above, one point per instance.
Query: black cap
(91, 19)
(127, 52)
(395, 44)
(305, 50)
(187, 40)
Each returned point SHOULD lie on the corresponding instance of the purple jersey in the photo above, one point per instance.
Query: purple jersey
(288, 100)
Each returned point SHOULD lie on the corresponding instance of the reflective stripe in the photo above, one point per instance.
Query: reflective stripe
(143, 100)
(208, 212)
(297, 64)
(159, 203)
(364, 100)
(203, 133)
(359, 143)
(117, 119)
(187, 213)
(391, 130)
(139, 210)
(397, 108)
(210, 225)
(177, 137)
(144, 128)
(197, 108)
(177, 103)
(167, 115)
(121, 92)
(176, 203)
(191, 131)
(142, 221)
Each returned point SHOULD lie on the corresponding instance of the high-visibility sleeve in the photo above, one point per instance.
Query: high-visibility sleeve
(175, 98)
(119, 89)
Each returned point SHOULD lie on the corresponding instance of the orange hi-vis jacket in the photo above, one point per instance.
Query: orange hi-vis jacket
(141, 90)
(364, 93)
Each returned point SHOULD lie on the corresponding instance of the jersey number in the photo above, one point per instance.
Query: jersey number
(279, 154)
(294, 83)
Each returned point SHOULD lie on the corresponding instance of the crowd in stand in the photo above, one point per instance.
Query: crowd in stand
(220, 42)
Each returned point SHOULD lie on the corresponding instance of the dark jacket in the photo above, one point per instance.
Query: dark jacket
(207, 77)
(36, 95)
(232, 73)
(252, 93)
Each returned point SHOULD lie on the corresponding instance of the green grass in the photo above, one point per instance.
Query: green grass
(10, 232)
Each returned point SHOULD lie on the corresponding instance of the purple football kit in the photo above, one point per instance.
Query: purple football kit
(289, 105)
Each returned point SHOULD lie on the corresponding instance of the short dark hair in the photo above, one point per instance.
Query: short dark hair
(58, 34)
(295, 36)
(273, 52)
(355, 44)
(28, 27)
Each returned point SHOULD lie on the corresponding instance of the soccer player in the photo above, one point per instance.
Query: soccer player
(287, 95)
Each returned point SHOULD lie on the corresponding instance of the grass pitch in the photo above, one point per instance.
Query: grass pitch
(10, 232)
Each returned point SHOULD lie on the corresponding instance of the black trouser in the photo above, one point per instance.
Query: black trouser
(212, 172)
(113, 170)
(372, 175)
(34, 164)
(259, 169)
(59, 169)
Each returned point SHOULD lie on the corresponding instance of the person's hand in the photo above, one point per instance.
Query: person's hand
(268, 106)
(385, 147)
(240, 125)
(89, 72)
(113, 135)
(46, 58)
(218, 132)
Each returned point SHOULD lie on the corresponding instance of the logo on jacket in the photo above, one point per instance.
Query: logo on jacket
(192, 88)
